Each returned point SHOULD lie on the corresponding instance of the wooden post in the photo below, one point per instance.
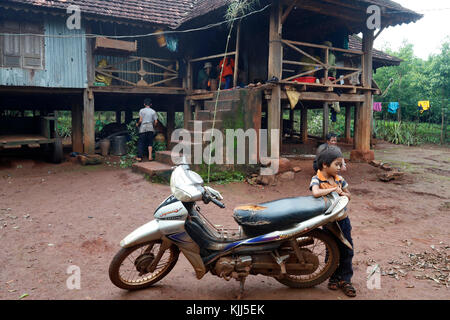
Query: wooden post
(326, 119)
(304, 125)
(77, 128)
(170, 123)
(90, 58)
(291, 120)
(118, 117)
(348, 119)
(189, 77)
(275, 70)
(88, 122)
(355, 122)
(363, 128)
(187, 113)
(128, 116)
(236, 62)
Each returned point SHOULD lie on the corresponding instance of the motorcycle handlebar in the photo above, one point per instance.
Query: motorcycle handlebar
(208, 197)
(218, 203)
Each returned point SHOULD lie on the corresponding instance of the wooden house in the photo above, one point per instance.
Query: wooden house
(125, 51)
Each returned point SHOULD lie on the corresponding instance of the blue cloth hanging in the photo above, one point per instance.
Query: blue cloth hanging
(393, 106)
(172, 43)
(333, 115)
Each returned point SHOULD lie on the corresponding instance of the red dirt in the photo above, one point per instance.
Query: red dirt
(55, 216)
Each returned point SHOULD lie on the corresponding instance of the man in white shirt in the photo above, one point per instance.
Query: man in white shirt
(146, 124)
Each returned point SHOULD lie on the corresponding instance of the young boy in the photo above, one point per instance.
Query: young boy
(327, 180)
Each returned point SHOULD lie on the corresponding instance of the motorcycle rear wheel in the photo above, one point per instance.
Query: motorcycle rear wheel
(326, 244)
(129, 260)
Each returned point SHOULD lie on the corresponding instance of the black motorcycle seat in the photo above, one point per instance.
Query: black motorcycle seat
(279, 214)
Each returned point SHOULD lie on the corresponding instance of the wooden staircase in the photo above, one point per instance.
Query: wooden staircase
(227, 105)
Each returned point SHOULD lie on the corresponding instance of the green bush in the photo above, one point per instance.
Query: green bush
(408, 133)
(220, 176)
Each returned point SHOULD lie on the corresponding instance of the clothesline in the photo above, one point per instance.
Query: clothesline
(394, 106)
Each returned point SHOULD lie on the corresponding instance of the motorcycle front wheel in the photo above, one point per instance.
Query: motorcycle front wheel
(128, 269)
(325, 248)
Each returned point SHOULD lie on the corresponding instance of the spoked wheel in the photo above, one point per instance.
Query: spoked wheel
(324, 247)
(129, 268)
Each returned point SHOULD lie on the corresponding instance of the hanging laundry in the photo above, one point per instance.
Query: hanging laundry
(377, 106)
(423, 106)
(293, 96)
(336, 107)
(333, 115)
(393, 106)
(172, 43)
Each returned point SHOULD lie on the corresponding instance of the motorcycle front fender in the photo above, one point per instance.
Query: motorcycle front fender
(148, 232)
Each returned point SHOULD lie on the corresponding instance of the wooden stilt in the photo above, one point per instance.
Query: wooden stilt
(363, 129)
(348, 119)
(326, 120)
(275, 70)
(77, 128)
(304, 125)
(88, 122)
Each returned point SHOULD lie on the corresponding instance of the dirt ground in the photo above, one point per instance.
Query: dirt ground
(56, 216)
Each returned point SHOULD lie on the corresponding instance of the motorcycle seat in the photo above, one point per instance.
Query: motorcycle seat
(279, 214)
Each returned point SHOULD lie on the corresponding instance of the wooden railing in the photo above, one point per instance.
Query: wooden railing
(322, 65)
(190, 74)
(141, 71)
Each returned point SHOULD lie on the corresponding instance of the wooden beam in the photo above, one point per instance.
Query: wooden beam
(213, 56)
(77, 128)
(139, 90)
(328, 97)
(288, 11)
(333, 10)
(356, 121)
(236, 58)
(275, 68)
(326, 119)
(88, 122)
(170, 122)
(363, 133)
(348, 121)
(304, 124)
(187, 113)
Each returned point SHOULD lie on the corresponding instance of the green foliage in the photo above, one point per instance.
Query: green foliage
(415, 80)
(408, 133)
(220, 177)
(238, 8)
(64, 127)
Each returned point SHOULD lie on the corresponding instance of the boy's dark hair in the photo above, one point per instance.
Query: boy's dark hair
(148, 102)
(328, 155)
(331, 135)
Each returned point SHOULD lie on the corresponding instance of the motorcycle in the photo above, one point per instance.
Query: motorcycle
(280, 239)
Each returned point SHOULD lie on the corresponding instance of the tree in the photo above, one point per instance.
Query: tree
(415, 80)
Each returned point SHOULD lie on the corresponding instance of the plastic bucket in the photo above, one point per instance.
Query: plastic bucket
(119, 145)
(104, 146)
